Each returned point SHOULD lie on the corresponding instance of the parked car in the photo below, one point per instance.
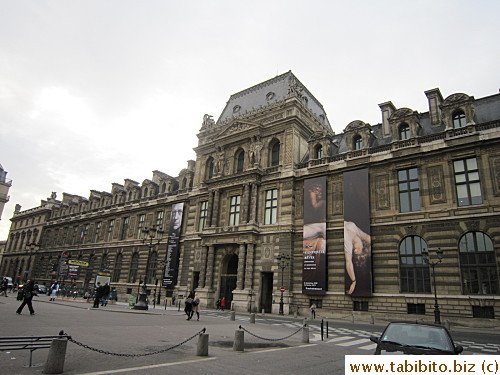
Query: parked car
(42, 289)
(415, 338)
(10, 285)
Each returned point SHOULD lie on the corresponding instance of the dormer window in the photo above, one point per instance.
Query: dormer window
(318, 152)
(404, 132)
(210, 168)
(357, 143)
(459, 119)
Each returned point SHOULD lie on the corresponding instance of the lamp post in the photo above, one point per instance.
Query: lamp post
(282, 259)
(33, 249)
(152, 238)
(425, 255)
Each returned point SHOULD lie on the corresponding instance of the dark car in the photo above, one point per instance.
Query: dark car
(415, 338)
(42, 289)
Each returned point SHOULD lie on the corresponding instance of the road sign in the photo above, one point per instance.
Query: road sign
(282, 289)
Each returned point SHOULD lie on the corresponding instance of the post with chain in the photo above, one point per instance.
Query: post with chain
(202, 348)
(57, 355)
(305, 333)
(239, 340)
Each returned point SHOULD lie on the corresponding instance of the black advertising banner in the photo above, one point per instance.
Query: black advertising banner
(172, 259)
(357, 237)
(314, 237)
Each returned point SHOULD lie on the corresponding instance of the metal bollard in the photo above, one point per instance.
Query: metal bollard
(233, 315)
(252, 318)
(239, 340)
(322, 335)
(202, 348)
(305, 334)
(55, 359)
(327, 329)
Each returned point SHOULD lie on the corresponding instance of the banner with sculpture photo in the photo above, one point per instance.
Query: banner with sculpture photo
(357, 237)
(172, 258)
(314, 237)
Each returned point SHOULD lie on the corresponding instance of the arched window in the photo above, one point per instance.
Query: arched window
(134, 266)
(459, 119)
(318, 152)
(183, 183)
(239, 160)
(478, 264)
(275, 153)
(357, 142)
(117, 269)
(414, 272)
(153, 260)
(145, 192)
(404, 132)
(209, 172)
(163, 187)
(129, 195)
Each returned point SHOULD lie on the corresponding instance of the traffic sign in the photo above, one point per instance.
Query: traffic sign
(282, 289)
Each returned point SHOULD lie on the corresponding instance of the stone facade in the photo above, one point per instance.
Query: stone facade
(243, 206)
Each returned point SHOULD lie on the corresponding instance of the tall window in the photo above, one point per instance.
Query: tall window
(409, 190)
(414, 272)
(209, 172)
(117, 268)
(159, 219)
(240, 158)
(153, 260)
(140, 225)
(275, 154)
(203, 215)
(126, 221)
(271, 209)
(478, 264)
(358, 143)
(134, 266)
(84, 233)
(404, 132)
(467, 182)
(234, 210)
(97, 231)
(459, 119)
(111, 226)
(318, 152)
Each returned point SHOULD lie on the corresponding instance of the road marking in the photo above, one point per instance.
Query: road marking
(368, 347)
(340, 338)
(276, 349)
(351, 343)
(140, 368)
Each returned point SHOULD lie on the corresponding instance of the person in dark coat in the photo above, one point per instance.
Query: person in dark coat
(99, 290)
(188, 307)
(105, 294)
(29, 292)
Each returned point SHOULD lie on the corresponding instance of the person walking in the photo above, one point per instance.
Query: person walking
(105, 294)
(98, 295)
(196, 306)
(29, 292)
(188, 307)
(217, 304)
(223, 303)
(53, 290)
(313, 311)
(4, 286)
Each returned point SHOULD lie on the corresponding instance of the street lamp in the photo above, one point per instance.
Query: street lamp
(282, 264)
(33, 249)
(152, 238)
(425, 255)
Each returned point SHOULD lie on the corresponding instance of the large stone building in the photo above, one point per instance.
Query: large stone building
(276, 199)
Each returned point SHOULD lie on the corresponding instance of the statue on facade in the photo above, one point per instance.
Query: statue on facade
(208, 122)
(219, 161)
(254, 151)
(17, 208)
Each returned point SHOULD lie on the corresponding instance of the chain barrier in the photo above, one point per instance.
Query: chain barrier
(268, 339)
(134, 355)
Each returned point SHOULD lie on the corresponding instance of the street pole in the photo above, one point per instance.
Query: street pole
(425, 255)
(282, 259)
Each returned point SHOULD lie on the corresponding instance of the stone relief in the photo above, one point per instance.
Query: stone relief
(382, 191)
(435, 178)
(495, 172)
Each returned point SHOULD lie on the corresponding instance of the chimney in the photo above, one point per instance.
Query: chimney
(387, 110)
(435, 99)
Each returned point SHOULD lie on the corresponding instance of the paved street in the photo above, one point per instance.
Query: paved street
(118, 329)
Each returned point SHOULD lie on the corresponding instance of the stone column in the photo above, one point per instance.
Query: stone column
(249, 266)
(215, 214)
(241, 267)
(209, 209)
(253, 203)
(245, 202)
(203, 268)
(210, 267)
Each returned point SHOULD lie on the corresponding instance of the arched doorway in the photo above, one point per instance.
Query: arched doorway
(228, 278)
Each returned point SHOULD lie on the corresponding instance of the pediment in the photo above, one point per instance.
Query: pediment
(237, 126)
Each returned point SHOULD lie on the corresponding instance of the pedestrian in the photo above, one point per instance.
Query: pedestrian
(223, 303)
(105, 294)
(196, 306)
(217, 304)
(54, 288)
(4, 286)
(188, 307)
(29, 292)
(98, 295)
(313, 310)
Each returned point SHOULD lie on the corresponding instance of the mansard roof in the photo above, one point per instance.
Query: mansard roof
(269, 93)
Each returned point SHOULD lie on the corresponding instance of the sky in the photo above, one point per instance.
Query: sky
(96, 92)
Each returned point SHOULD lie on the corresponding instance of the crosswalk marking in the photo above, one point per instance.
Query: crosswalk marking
(340, 338)
(368, 347)
(351, 343)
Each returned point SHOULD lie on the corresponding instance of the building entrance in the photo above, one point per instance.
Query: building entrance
(228, 278)
(266, 297)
